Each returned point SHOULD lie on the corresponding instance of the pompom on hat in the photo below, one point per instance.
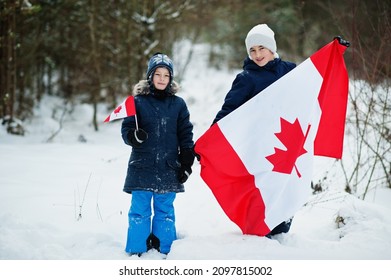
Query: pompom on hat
(261, 35)
(160, 60)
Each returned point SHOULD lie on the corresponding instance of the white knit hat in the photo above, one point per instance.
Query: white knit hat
(261, 35)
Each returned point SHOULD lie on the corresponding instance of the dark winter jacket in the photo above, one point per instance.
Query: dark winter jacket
(252, 80)
(154, 164)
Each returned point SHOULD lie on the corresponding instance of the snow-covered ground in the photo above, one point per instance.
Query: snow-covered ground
(63, 200)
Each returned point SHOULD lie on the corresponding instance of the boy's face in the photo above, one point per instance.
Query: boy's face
(261, 55)
(161, 78)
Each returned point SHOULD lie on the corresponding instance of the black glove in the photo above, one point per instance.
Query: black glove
(137, 137)
(184, 173)
(186, 158)
(197, 156)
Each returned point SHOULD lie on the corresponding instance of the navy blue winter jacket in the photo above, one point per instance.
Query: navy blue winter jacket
(252, 80)
(154, 164)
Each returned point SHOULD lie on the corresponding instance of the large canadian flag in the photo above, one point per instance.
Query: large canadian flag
(258, 160)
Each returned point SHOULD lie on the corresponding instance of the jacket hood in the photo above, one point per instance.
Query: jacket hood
(143, 88)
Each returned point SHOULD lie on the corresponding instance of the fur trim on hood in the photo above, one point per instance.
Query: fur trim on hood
(143, 88)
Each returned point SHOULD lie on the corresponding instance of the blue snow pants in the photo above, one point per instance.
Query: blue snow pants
(140, 227)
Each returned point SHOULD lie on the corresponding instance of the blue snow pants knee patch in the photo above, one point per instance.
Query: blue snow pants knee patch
(139, 222)
(163, 222)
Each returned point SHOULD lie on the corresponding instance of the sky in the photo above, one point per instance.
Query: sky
(63, 200)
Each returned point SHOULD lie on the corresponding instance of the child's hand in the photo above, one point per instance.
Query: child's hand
(184, 174)
(137, 137)
(140, 135)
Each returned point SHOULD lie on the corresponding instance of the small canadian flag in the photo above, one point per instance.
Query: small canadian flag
(125, 109)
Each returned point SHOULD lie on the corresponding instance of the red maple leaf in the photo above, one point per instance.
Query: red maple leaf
(118, 109)
(292, 137)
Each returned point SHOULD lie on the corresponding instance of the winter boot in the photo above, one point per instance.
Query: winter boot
(153, 243)
(281, 228)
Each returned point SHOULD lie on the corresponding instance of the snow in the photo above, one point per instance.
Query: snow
(63, 200)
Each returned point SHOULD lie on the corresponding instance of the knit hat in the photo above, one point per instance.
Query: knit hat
(261, 35)
(160, 60)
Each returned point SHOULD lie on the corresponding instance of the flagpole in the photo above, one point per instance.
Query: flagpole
(135, 117)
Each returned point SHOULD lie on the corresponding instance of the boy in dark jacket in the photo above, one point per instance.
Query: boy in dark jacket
(261, 68)
(161, 136)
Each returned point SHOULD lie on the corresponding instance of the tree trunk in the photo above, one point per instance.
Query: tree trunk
(8, 59)
(96, 71)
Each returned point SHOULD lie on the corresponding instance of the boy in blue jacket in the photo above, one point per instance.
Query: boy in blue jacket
(161, 159)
